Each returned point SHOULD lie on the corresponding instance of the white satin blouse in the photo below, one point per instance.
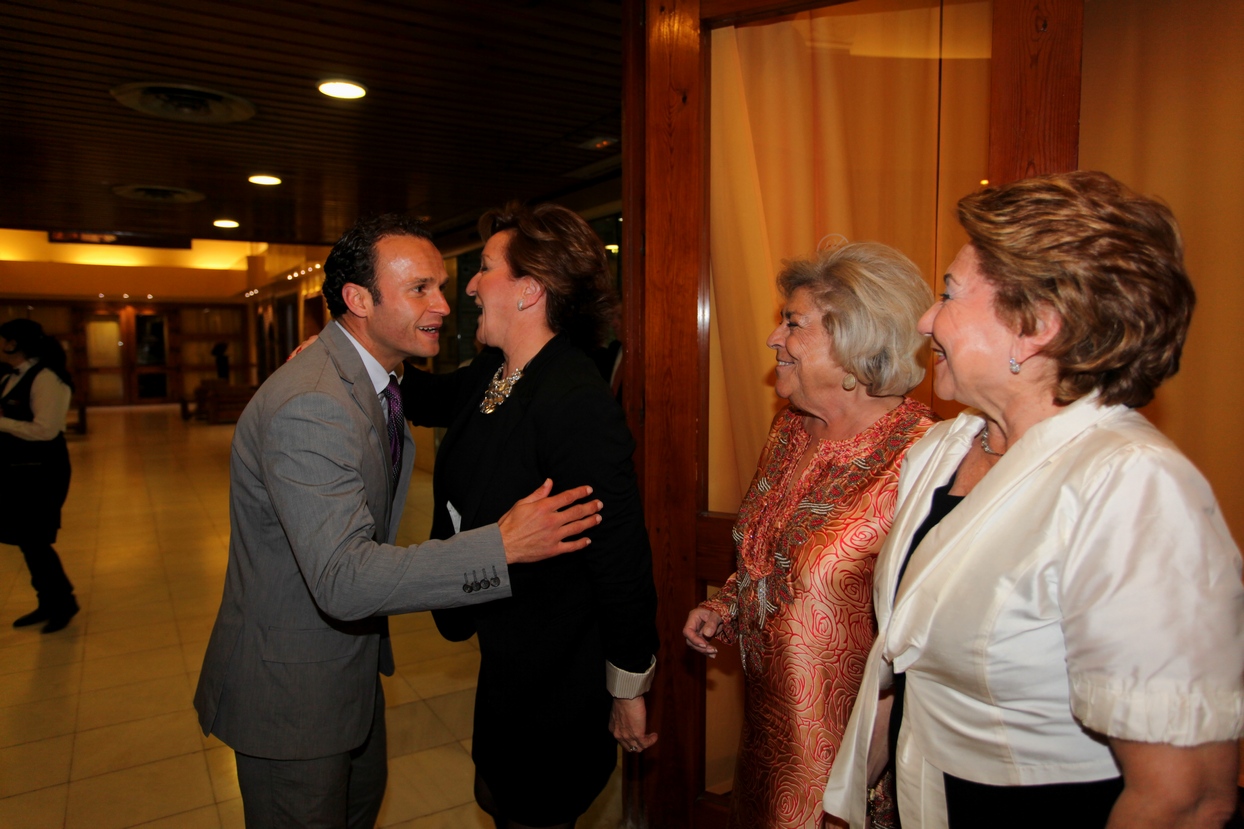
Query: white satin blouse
(1087, 586)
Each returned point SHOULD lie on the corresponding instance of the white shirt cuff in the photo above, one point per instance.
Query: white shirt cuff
(627, 685)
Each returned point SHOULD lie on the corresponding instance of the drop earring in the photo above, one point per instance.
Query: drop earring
(520, 307)
(1014, 366)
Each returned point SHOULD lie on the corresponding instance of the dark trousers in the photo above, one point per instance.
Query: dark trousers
(335, 792)
(47, 577)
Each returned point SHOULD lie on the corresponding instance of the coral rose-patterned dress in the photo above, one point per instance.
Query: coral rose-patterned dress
(800, 605)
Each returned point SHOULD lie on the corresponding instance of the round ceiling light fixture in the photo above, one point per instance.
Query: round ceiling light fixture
(225, 223)
(159, 193)
(183, 102)
(264, 179)
(341, 88)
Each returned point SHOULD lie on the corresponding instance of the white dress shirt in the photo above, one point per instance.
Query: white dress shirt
(379, 376)
(49, 400)
(1086, 586)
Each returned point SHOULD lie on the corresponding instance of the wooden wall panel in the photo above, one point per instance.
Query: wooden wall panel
(668, 237)
(1034, 123)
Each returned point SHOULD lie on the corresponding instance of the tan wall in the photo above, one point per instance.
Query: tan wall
(1163, 111)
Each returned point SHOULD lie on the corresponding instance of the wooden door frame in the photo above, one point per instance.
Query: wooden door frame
(1034, 128)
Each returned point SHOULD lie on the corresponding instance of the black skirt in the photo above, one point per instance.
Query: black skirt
(1064, 805)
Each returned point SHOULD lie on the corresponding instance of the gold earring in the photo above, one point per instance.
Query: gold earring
(849, 382)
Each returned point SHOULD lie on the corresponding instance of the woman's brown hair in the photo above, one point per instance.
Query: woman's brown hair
(1107, 260)
(557, 248)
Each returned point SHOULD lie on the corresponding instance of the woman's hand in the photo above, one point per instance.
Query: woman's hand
(1173, 787)
(628, 722)
(301, 346)
(702, 625)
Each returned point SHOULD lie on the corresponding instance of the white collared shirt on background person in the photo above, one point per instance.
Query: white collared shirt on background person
(49, 400)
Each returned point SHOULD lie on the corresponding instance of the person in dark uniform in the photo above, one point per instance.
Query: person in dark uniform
(34, 463)
(221, 352)
(565, 661)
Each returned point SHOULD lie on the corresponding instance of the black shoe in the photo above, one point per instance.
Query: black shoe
(58, 620)
(34, 617)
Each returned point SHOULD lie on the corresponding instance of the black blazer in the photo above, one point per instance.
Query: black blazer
(570, 430)
(542, 672)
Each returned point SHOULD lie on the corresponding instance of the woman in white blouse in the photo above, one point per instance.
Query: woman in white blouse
(1061, 617)
(34, 463)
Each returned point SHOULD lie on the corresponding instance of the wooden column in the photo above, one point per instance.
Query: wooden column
(663, 231)
(1034, 119)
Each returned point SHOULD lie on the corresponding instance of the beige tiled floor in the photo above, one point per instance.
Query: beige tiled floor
(96, 724)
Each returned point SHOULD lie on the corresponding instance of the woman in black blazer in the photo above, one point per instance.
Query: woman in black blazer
(564, 661)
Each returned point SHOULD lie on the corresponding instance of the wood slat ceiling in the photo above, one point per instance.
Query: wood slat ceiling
(470, 103)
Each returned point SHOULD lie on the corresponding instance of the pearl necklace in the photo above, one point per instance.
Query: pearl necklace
(499, 389)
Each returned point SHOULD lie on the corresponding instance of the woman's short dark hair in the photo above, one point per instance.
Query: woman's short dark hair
(870, 297)
(353, 258)
(557, 248)
(27, 337)
(1107, 260)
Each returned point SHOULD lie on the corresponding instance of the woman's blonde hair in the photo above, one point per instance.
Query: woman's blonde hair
(870, 297)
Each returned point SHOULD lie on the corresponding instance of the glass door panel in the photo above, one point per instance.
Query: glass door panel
(105, 380)
(863, 121)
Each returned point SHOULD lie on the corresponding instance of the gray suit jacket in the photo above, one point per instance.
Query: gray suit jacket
(290, 671)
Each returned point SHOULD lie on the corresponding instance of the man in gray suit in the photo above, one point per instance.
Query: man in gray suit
(319, 470)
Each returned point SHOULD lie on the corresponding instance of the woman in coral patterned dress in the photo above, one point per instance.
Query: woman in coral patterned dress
(813, 520)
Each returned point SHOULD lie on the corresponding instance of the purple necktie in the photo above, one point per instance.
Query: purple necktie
(393, 397)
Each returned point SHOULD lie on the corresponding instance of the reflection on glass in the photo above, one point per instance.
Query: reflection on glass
(152, 386)
(149, 329)
(103, 343)
(106, 388)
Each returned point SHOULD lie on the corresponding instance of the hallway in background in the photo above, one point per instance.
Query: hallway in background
(96, 724)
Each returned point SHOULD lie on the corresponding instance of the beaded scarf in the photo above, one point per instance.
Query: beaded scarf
(769, 530)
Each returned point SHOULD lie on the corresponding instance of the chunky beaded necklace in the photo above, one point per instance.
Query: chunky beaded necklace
(499, 389)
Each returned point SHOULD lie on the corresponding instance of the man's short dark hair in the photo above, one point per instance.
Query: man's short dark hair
(353, 258)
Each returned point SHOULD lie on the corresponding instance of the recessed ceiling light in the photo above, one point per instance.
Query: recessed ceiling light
(599, 142)
(225, 223)
(125, 296)
(340, 88)
(149, 296)
(262, 179)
